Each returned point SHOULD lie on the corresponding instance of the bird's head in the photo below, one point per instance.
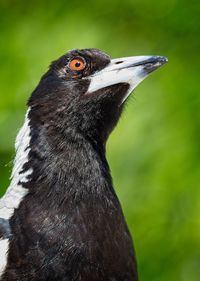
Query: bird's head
(84, 91)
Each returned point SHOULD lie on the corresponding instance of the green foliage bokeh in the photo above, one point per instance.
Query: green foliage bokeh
(154, 152)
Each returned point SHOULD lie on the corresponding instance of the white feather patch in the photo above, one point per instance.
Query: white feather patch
(3, 254)
(15, 192)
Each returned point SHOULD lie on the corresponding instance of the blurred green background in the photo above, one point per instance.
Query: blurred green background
(154, 152)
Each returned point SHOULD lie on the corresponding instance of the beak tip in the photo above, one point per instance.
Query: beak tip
(160, 59)
(154, 63)
(163, 59)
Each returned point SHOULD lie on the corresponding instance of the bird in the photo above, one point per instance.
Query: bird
(60, 218)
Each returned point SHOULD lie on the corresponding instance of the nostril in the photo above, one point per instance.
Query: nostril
(118, 62)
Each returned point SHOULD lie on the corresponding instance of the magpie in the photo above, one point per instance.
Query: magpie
(60, 218)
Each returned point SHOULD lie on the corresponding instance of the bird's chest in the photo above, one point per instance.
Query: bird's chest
(84, 227)
(82, 236)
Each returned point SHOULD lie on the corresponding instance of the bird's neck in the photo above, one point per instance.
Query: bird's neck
(58, 166)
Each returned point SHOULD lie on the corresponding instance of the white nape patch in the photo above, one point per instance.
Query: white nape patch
(4, 243)
(16, 192)
(120, 70)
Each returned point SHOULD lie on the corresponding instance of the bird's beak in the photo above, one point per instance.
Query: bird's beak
(131, 70)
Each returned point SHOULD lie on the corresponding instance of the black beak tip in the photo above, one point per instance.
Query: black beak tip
(154, 62)
(161, 59)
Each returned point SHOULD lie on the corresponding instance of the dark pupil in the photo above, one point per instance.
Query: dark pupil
(77, 64)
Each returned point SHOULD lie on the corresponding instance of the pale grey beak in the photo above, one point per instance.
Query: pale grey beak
(131, 70)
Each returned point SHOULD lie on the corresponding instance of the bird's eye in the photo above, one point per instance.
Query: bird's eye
(77, 64)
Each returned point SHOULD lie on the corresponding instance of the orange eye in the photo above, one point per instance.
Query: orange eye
(77, 64)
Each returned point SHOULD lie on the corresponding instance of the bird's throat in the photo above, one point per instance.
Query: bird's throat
(65, 165)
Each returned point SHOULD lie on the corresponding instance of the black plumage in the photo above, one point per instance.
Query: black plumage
(69, 225)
